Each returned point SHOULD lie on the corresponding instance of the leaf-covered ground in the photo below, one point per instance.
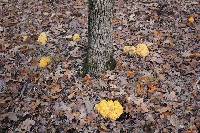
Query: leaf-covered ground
(159, 93)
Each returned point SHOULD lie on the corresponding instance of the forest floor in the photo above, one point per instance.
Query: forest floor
(159, 93)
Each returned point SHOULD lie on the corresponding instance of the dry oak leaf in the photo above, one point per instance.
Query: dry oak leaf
(164, 109)
(194, 55)
(116, 21)
(54, 97)
(27, 124)
(158, 34)
(192, 129)
(144, 107)
(55, 88)
(140, 89)
(152, 88)
(87, 79)
(140, 103)
(130, 74)
(35, 104)
(103, 127)
(10, 115)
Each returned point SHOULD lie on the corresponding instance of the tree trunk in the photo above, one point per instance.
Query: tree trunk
(100, 51)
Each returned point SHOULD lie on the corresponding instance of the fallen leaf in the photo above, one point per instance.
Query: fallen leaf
(27, 124)
(71, 95)
(12, 116)
(35, 104)
(136, 100)
(144, 79)
(171, 96)
(195, 55)
(130, 74)
(150, 117)
(2, 87)
(166, 114)
(140, 103)
(152, 88)
(174, 120)
(164, 109)
(116, 21)
(158, 34)
(55, 88)
(91, 117)
(54, 97)
(88, 105)
(61, 106)
(68, 37)
(139, 89)
(5, 101)
(24, 72)
(103, 127)
(87, 79)
(148, 80)
(144, 107)
(68, 73)
(192, 129)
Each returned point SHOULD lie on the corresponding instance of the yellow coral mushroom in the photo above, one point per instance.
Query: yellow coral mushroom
(102, 108)
(129, 50)
(44, 61)
(24, 38)
(191, 19)
(109, 109)
(126, 49)
(76, 37)
(42, 39)
(132, 50)
(142, 50)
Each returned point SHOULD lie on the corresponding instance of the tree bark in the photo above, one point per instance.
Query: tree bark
(100, 51)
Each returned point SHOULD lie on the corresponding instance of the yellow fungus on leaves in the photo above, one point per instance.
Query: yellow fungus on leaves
(126, 49)
(24, 38)
(191, 19)
(109, 109)
(142, 50)
(132, 50)
(102, 108)
(129, 50)
(44, 61)
(42, 39)
(76, 37)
